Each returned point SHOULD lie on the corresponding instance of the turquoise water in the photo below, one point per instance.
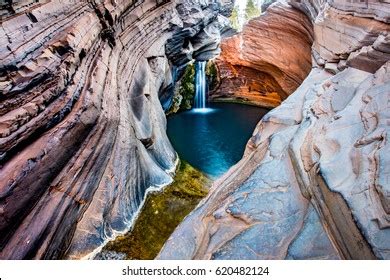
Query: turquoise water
(213, 139)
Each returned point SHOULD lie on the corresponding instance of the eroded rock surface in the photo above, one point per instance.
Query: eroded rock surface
(82, 131)
(268, 60)
(314, 181)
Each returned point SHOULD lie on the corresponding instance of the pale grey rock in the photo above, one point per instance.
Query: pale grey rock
(357, 143)
(261, 216)
(378, 9)
(199, 35)
(332, 68)
(312, 242)
(82, 131)
(371, 58)
(265, 4)
(312, 8)
(314, 180)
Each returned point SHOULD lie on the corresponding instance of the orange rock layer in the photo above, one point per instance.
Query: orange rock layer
(314, 182)
(82, 130)
(268, 60)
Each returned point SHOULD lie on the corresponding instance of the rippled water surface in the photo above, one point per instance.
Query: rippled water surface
(213, 139)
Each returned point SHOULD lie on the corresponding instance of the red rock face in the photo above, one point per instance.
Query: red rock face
(241, 83)
(82, 131)
(314, 180)
(268, 60)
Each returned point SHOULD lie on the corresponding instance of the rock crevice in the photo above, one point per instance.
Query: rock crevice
(82, 131)
(325, 144)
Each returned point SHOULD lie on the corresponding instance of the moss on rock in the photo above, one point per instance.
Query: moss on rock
(212, 75)
(187, 87)
(161, 214)
(184, 93)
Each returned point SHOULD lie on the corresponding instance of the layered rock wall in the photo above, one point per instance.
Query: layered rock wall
(82, 131)
(314, 181)
(268, 60)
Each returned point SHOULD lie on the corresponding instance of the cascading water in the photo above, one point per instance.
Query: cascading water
(200, 85)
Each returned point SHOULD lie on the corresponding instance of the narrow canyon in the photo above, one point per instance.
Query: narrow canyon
(90, 91)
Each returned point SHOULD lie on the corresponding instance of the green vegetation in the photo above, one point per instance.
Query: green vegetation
(161, 214)
(183, 96)
(187, 87)
(234, 19)
(212, 74)
(251, 10)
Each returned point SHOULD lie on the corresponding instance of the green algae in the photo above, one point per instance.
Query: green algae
(184, 94)
(212, 75)
(161, 214)
(187, 87)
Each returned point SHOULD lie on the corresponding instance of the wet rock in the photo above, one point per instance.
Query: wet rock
(110, 255)
(82, 134)
(313, 183)
(159, 216)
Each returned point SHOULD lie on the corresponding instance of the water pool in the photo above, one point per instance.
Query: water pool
(213, 139)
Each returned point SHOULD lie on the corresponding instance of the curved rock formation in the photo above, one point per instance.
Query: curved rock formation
(314, 181)
(265, 4)
(82, 131)
(268, 60)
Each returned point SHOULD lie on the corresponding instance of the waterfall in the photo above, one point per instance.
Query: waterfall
(200, 85)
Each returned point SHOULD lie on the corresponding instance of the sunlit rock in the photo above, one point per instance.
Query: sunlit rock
(313, 183)
(82, 128)
(268, 60)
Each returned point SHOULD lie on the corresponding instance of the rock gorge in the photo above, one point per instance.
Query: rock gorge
(268, 60)
(314, 180)
(82, 129)
(82, 126)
